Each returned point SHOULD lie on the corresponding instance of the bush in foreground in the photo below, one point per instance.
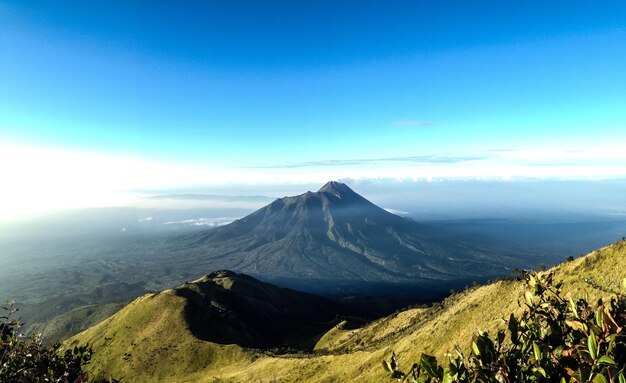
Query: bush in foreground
(556, 339)
(29, 361)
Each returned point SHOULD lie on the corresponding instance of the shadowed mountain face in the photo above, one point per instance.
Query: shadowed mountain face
(229, 308)
(187, 334)
(335, 234)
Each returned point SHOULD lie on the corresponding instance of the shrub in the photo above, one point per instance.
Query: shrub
(556, 339)
(29, 361)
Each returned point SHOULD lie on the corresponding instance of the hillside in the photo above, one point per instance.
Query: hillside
(74, 321)
(335, 235)
(332, 242)
(150, 340)
(202, 322)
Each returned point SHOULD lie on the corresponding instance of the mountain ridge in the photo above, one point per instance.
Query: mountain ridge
(336, 234)
(348, 351)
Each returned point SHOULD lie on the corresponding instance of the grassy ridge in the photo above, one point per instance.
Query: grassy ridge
(152, 329)
(149, 340)
(74, 321)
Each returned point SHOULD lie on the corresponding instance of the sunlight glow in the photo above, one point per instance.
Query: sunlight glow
(37, 179)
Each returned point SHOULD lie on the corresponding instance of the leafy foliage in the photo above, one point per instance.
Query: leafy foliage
(29, 361)
(556, 339)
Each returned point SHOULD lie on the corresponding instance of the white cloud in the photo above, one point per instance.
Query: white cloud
(147, 219)
(397, 212)
(38, 179)
(212, 222)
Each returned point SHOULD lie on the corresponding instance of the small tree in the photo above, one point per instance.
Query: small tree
(556, 339)
(29, 361)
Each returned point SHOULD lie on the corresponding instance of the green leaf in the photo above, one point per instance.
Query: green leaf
(621, 376)
(429, 364)
(611, 341)
(447, 378)
(387, 366)
(599, 378)
(541, 371)
(599, 318)
(592, 344)
(537, 352)
(513, 327)
(529, 298)
(500, 337)
(452, 369)
(624, 286)
(475, 348)
(606, 360)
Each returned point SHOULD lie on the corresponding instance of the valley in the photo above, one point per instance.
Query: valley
(64, 284)
(130, 342)
(312, 191)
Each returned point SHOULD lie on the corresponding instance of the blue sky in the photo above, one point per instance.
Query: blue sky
(253, 90)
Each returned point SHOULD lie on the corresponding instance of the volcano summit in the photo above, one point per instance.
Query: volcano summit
(335, 234)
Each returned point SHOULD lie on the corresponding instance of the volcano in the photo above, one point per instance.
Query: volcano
(335, 234)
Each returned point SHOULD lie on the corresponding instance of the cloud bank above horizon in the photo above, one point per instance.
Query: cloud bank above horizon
(40, 179)
(101, 104)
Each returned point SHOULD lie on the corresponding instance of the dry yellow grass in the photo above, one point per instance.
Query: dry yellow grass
(345, 337)
(149, 341)
(162, 349)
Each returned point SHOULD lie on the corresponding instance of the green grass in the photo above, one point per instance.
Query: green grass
(159, 347)
(149, 341)
(74, 321)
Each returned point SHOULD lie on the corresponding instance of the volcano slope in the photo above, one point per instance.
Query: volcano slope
(332, 242)
(335, 236)
(152, 340)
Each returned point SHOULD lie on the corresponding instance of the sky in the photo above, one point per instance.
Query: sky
(98, 100)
